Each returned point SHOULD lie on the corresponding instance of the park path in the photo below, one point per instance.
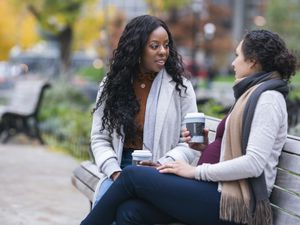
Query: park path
(36, 189)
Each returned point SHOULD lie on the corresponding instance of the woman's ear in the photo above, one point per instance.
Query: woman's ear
(254, 65)
(251, 63)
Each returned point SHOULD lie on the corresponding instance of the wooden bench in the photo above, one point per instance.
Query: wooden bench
(20, 115)
(285, 197)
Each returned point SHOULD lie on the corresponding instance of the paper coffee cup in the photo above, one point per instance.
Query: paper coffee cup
(140, 155)
(195, 123)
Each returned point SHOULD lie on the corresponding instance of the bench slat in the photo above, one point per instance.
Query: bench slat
(288, 181)
(289, 162)
(282, 218)
(87, 177)
(212, 123)
(286, 200)
(25, 96)
(83, 188)
(91, 167)
(211, 136)
(292, 145)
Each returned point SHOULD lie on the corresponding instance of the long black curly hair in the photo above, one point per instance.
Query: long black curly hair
(268, 49)
(120, 103)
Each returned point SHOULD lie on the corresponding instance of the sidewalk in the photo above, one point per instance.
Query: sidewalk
(36, 189)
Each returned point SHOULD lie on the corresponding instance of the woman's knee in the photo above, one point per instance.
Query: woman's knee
(129, 213)
(129, 169)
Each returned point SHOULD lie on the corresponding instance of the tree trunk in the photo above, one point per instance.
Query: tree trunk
(65, 39)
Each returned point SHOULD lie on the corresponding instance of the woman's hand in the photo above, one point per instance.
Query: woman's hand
(149, 163)
(197, 146)
(115, 175)
(179, 168)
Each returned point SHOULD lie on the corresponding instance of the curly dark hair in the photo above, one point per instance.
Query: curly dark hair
(120, 103)
(270, 51)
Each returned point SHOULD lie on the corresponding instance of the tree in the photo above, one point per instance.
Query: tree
(88, 26)
(17, 28)
(6, 30)
(158, 6)
(56, 19)
(282, 17)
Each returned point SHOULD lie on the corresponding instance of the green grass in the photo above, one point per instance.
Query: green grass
(226, 79)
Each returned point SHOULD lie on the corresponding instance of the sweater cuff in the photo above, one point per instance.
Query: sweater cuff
(197, 173)
(110, 166)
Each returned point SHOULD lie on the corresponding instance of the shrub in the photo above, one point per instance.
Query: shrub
(66, 119)
(91, 74)
(212, 108)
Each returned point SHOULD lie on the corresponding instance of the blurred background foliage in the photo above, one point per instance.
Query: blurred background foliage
(17, 26)
(282, 17)
(159, 6)
(90, 30)
(66, 119)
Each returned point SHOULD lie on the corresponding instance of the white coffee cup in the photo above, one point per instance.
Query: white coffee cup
(140, 155)
(195, 123)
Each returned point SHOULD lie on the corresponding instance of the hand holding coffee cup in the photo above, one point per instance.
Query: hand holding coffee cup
(185, 134)
(195, 123)
(195, 134)
(141, 155)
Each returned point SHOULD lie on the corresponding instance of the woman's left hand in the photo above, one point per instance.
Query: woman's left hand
(179, 168)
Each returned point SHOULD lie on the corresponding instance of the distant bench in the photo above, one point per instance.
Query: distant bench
(20, 115)
(285, 197)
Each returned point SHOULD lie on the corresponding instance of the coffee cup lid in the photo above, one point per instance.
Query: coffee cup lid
(142, 153)
(193, 115)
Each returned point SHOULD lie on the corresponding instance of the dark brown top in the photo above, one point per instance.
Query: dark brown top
(141, 86)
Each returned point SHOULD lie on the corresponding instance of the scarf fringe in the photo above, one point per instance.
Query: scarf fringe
(233, 209)
(262, 214)
(236, 210)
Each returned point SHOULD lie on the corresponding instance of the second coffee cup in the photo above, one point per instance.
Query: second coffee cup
(195, 123)
(140, 155)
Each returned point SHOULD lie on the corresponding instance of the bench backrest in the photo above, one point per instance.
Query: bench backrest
(285, 196)
(26, 97)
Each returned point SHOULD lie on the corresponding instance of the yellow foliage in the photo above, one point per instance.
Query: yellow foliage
(88, 26)
(17, 28)
(28, 33)
(7, 27)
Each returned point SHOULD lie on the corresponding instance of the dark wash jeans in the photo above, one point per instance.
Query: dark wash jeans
(141, 195)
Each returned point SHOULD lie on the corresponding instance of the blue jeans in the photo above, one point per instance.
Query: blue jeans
(145, 196)
(126, 161)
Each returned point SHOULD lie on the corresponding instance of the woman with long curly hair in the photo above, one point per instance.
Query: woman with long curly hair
(235, 174)
(142, 101)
